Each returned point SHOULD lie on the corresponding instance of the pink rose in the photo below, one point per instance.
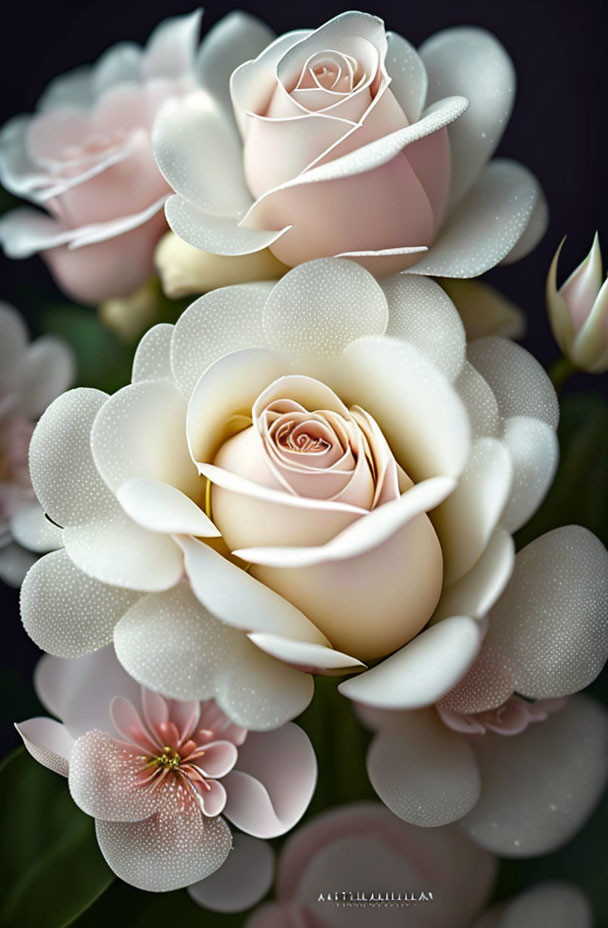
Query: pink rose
(346, 141)
(86, 157)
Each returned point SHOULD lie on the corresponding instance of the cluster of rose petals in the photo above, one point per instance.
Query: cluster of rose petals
(86, 157)
(362, 849)
(161, 781)
(517, 796)
(347, 141)
(578, 311)
(467, 432)
(31, 377)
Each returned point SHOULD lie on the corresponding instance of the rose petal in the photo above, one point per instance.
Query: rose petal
(423, 772)
(422, 671)
(408, 75)
(152, 359)
(421, 314)
(66, 612)
(218, 234)
(469, 516)
(49, 370)
(486, 225)
(473, 63)
(314, 658)
(518, 381)
(540, 786)
(534, 453)
(160, 507)
(231, 317)
(476, 592)
(171, 644)
(311, 311)
(31, 528)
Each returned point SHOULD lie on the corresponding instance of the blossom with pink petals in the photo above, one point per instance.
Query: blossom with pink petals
(160, 776)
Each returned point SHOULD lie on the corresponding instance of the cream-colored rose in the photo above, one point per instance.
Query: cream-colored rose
(305, 442)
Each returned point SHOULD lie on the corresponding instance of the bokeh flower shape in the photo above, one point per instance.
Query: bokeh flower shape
(32, 375)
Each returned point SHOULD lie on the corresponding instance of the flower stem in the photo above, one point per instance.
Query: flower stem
(560, 371)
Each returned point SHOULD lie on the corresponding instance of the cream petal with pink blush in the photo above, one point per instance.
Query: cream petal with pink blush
(305, 443)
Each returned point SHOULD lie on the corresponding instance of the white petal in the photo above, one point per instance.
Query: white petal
(315, 658)
(480, 402)
(220, 235)
(486, 225)
(115, 550)
(63, 473)
(198, 150)
(318, 308)
(427, 429)
(49, 370)
(361, 536)
(548, 634)
(238, 599)
(423, 772)
(165, 852)
(67, 613)
(218, 323)
(519, 383)
(422, 671)
(241, 881)
(80, 690)
(141, 432)
(152, 359)
(476, 592)
(160, 507)
(422, 314)
(231, 385)
(473, 63)
(31, 528)
(170, 49)
(467, 519)
(273, 783)
(540, 786)
(170, 643)
(48, 742)
(237, 37)
(534, 452)
(408, 75)
(536, 228)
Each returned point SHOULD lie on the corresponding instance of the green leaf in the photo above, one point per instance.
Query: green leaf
(49, 860)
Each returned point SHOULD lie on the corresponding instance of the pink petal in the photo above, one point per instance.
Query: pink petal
(128, 723)
(218, 759)
(213, 799)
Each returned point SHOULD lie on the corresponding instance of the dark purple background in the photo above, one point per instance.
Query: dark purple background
(557, 129)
